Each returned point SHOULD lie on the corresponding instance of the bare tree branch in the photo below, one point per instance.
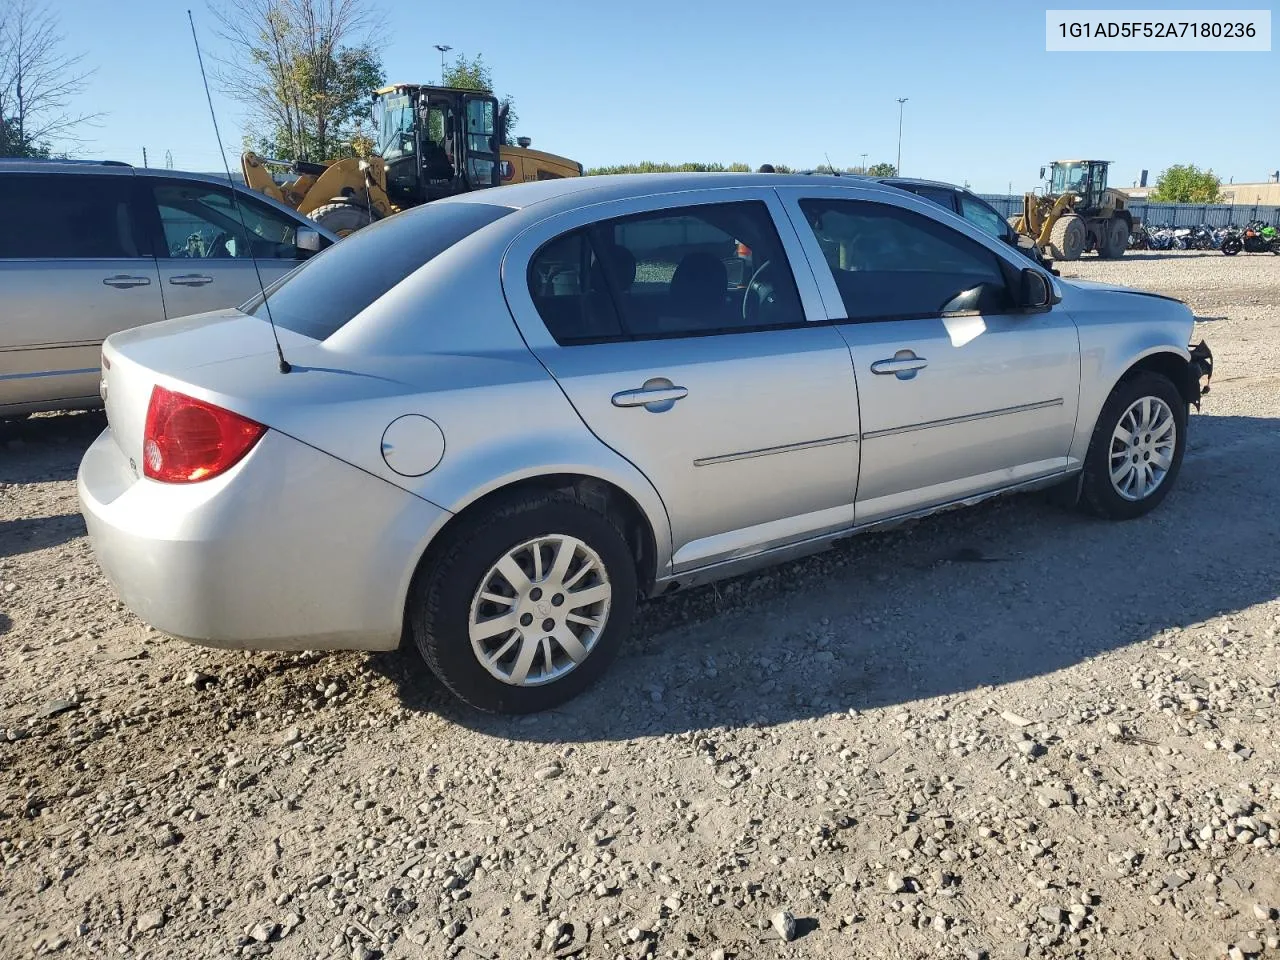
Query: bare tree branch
(39, 79)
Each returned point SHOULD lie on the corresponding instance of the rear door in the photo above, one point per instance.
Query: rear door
(75, 267)
(203, 250)
(682, 330)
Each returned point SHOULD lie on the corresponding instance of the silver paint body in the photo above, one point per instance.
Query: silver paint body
(55, 313)
(781, 441)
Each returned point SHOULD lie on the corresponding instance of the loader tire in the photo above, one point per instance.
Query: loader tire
(1115, 239)
(343, 219)
(1068, 238)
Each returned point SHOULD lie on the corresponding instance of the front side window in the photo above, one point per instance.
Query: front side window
(890, 263)
(200, 221)
(983, 217)
(480, 120)
(69, 217)
(718, 268)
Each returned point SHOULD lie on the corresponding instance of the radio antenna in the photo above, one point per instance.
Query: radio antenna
(285, 366)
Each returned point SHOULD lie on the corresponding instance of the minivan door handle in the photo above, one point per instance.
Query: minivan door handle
(190, 280)
(656, 396)
(122, 281)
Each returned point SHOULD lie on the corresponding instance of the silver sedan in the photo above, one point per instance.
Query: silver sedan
(493, 423)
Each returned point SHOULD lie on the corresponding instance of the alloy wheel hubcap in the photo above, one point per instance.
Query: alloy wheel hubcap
(1142, 448)
(540, 610)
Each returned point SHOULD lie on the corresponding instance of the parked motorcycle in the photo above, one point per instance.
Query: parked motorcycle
(1256, 237)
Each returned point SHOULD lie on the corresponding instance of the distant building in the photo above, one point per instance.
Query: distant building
(1263, 194)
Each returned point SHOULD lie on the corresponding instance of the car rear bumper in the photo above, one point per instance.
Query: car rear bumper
(291, 549)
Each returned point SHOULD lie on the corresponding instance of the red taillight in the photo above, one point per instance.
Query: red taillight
(186, 440)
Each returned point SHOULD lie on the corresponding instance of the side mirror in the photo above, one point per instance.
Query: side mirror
(1042, 173)
(1035, 292)
(308, 241)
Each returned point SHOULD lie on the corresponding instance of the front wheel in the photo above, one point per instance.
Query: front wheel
(1136, 449)
(343, 219)
(521, 608)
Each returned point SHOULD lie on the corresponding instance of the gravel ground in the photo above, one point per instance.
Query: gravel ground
(1005, 732)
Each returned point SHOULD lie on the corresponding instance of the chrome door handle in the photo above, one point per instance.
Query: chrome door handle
(122, 281)
(190, 280)
(902, 364)
(654, 397)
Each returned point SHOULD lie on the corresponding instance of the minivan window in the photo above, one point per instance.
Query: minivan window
(69, 217)
(201, 221)
(321, 296)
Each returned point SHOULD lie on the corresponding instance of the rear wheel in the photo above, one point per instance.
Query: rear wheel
(1136, 449)
(524, 606)
(1231, 246)
(1068, 237)
(1115, 240)
(343, 219)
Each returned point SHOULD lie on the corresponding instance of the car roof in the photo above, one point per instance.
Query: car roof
(918, 182)
(579, 191)
(119, 168)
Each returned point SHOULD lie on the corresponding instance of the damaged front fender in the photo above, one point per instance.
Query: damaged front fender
(1199, 368)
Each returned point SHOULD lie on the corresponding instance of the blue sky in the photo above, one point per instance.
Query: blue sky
(750, 81)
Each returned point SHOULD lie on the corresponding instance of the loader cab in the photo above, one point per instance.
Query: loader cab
(1087, 179)
(437, 141)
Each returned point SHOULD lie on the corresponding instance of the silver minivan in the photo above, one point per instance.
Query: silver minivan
(91, 248)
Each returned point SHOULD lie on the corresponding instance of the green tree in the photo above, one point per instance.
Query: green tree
(305, 69)
(1187, 183)
(474, 74)
(882, 170)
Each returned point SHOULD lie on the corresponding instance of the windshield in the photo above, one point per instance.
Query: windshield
(395, 118)
(1068, 176)
(319, 297)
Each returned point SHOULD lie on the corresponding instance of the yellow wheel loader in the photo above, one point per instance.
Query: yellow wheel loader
(432, 142)
(1078, 212)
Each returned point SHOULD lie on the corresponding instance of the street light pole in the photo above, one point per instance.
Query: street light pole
(443, 48)
(901, 102)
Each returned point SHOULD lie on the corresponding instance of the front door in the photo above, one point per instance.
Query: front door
(680, 337)
(204, 251)
(960, 395)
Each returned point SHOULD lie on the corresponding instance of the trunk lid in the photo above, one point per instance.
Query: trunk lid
(135, 360)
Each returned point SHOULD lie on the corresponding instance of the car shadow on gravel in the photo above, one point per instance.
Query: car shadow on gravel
(48, 446)
(957, 604)
(27, 535)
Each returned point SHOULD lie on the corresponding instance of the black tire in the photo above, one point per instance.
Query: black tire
(442, 592)
(1231, 246)
(1275, 247)
(1068, 238)
(1098, 494)
(1115, 241)
(342, 218)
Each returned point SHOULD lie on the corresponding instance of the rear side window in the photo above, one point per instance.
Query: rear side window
(327, 291)
(69, 217)
(940, 196)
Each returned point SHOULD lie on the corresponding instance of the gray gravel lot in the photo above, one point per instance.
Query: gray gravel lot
(1006, 732)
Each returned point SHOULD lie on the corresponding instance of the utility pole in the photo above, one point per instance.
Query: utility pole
(864, 163)
(144, 156)
(901, 102)
(443, 48)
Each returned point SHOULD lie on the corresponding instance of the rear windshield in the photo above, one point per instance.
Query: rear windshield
(318, 298)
